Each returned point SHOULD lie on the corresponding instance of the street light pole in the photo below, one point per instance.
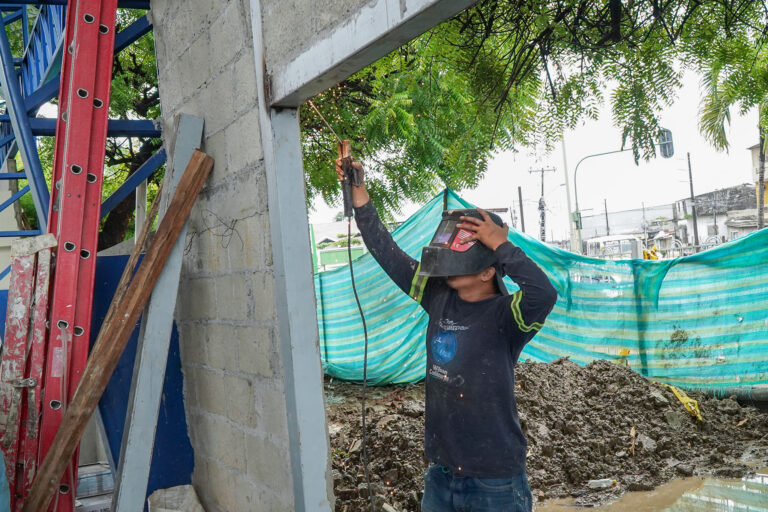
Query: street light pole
(576, 189)
(666, 148)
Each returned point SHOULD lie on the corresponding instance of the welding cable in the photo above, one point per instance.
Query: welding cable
(365, 360)
(365, 328)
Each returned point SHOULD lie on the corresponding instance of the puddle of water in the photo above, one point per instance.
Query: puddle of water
(748, 494)
(696, 494)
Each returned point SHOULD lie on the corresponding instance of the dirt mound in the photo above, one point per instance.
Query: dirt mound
(582, 423)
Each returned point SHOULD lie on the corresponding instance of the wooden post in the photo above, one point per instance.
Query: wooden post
(114, 335)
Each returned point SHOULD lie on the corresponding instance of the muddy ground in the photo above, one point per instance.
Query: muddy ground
(582, 423)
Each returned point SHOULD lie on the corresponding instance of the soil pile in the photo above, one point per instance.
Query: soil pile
(582, 423)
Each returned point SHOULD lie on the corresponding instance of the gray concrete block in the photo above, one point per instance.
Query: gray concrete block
(292, 26)
(241, 401)
(178, 30)
(227, 35)
(204, 252)
(244, 142)
(215, 145)
(220, 487)
(237, 196)
(221, 440)
(260, 449)
(256, 352)
(206, 10)
(191, 401)
(263, 302)
(194, 67)
(234, 294)
(193, 344)
(246, 92)
(197, 299)
(248, 251)
(170, 89)
(223, 345)
(270, 408)
(212, 393)
(217, 100)
(200, 481)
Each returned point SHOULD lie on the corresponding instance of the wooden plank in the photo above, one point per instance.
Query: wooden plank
(114, 335)
(152, 352)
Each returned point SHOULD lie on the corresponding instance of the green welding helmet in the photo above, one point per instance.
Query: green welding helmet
(446, 255)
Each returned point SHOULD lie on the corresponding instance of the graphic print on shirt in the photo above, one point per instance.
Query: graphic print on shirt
(443, 346)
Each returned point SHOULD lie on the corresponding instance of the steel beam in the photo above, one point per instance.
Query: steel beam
(43, 94)
(13, 17)
(8, 202)
(16, 234)
(132, 33)
(44, 126)
(123, 39)
(379, 27)
(17, 111)
(140, 175)
(124, 4)
(293, 295)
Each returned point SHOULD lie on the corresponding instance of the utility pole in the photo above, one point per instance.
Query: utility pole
(542, 204)
(571, 223)
(761, 183)
(520, 202)
(607, 227)
(693, 207)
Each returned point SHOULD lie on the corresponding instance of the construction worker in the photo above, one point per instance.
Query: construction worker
(476, 332)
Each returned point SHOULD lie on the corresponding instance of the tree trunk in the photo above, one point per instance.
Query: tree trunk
(761, 182)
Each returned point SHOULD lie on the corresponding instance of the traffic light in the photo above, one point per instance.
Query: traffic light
(666, 146)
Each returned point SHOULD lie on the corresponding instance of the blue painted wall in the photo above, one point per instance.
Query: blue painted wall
(173, 458)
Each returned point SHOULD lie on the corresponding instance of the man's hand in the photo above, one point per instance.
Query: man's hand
(488, 232)
(359, 194)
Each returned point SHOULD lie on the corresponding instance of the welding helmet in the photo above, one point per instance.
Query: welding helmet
(447, 256)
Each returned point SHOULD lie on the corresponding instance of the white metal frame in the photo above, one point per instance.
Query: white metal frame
(378, 28)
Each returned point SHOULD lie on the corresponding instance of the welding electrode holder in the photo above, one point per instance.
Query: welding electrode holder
(351, 177)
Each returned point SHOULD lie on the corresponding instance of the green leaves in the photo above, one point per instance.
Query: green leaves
(507, 74)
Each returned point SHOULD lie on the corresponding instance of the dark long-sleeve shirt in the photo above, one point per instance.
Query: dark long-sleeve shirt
(472, 425)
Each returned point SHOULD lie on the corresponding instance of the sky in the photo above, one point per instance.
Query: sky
(614, 178)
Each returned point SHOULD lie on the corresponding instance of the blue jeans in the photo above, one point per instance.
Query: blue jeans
(446, 492)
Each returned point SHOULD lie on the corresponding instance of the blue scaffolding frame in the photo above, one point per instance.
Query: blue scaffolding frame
(32, 79)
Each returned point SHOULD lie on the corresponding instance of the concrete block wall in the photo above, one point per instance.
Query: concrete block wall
(234, 386)
(293, 26)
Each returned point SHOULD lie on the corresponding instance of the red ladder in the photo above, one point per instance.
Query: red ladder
(75, 214)
(48, 347)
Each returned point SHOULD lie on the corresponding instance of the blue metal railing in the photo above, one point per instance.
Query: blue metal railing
(19, 121)
(33, 79)
(42, 54)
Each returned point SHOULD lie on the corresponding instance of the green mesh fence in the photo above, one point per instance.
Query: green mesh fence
(699, 322)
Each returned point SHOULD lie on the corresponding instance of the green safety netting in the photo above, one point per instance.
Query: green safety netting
(699, 322)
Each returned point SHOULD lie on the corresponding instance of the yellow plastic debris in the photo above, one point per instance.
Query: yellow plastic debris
(691, 405)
